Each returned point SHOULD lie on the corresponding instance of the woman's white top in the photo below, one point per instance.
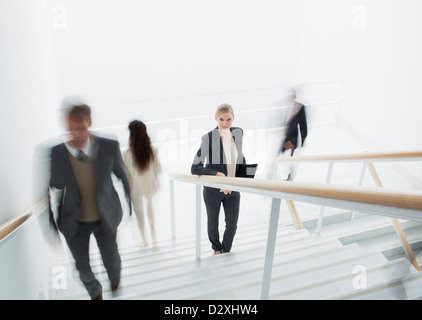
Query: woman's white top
(143, 183)
(230, 151)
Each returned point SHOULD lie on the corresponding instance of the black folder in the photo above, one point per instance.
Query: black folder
(246, 170)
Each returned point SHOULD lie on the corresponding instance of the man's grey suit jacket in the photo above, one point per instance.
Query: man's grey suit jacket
(108, 160)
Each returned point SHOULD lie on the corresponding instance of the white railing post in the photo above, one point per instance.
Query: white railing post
(172, 210)
(362, 177)
(322, 210)
(271, 242)
(198, 221)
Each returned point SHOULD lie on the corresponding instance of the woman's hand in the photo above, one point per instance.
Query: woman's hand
(220, 174)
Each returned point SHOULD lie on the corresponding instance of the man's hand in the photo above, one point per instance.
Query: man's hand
(289, 145)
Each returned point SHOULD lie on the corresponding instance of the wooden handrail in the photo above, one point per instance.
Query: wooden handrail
(365, 156)
(404, 199)
(12, 226)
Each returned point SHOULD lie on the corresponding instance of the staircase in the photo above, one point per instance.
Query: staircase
(306, 266)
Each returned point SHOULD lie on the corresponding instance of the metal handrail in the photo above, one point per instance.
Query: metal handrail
(32, 213)
(365, 156)
(378, 200)
(10, 227)
(210, 116)
(123, 104)
(219, 93)
(406, 204)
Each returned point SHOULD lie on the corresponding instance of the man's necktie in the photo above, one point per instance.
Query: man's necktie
(81, 156)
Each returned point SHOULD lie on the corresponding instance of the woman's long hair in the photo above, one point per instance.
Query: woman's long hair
(140, 145)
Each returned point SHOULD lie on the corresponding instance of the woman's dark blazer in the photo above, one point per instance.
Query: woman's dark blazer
(211, 152)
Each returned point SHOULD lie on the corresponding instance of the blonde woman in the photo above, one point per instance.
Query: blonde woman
(143, 170)
(220, 154)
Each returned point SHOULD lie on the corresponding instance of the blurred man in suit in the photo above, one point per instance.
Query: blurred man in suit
(296, 123)
(81, 169)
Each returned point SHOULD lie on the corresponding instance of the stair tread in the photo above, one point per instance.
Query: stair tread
(306, 266)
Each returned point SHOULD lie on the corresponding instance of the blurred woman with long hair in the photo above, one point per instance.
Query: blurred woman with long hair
(143, 168)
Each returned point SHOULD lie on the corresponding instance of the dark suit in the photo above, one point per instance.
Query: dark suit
(108, 160)
(211, 151)
(209, 160)
(292, 134)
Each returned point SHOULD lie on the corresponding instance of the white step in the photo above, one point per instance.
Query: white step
(314, 268)
(178, 252)
(404, 287)
(169, 258)
(239, 262)
(184, 263)
(306, 266)
(333, 287)
(284, 267)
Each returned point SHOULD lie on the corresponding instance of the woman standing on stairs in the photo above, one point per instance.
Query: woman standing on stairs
(221, 148)
(143, 168)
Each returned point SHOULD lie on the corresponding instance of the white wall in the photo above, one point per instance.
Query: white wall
(28, 102)
(380, 64)
(26, 258)
(28, 98)
(376, 48)
(387, 56)
(118, 51)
